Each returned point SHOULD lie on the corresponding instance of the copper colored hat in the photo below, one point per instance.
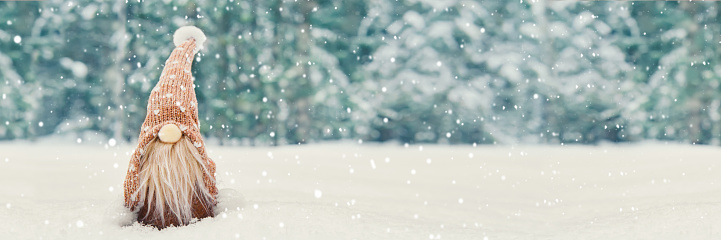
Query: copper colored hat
(173, 111)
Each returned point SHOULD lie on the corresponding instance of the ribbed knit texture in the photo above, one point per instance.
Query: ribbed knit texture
(171, 101)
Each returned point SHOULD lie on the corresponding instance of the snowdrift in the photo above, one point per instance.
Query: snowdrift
(367, 191)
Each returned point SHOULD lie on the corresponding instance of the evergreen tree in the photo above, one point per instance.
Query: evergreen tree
(578, 71)
(425, 81)
(680, 70)
(455, 71)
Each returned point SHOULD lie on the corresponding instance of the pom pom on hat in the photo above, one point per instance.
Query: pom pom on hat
(187, 32)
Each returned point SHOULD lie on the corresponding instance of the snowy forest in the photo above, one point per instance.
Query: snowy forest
(277, 72)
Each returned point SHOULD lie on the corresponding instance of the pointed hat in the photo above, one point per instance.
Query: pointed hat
(173, 111)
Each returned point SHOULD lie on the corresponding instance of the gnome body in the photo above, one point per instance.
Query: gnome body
(171, 179)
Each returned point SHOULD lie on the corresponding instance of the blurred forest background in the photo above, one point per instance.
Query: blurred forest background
(295, 71)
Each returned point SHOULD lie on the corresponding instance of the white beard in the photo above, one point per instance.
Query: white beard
(171, 179)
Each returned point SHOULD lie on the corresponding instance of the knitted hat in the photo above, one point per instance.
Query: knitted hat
(172, 111)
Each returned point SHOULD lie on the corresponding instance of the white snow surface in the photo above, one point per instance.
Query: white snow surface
(369, 191)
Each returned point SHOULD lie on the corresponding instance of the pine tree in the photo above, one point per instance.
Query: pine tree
(425, 80)
(579, 93)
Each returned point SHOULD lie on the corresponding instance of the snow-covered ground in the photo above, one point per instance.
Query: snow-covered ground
(369, 191)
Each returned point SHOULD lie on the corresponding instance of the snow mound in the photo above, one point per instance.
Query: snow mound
(352, 191)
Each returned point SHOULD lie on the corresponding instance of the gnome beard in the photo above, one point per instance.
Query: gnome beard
(171, 184)
(171, 179)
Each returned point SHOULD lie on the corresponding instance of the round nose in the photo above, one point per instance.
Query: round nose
(170, 133)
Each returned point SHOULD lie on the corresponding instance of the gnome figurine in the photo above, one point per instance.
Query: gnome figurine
(171, 179)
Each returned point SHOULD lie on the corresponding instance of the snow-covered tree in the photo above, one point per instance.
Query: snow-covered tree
(579, 82)
(680, 70)
(425, 82)
(456, 71)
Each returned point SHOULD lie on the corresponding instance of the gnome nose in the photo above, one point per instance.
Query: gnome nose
(170, 133)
